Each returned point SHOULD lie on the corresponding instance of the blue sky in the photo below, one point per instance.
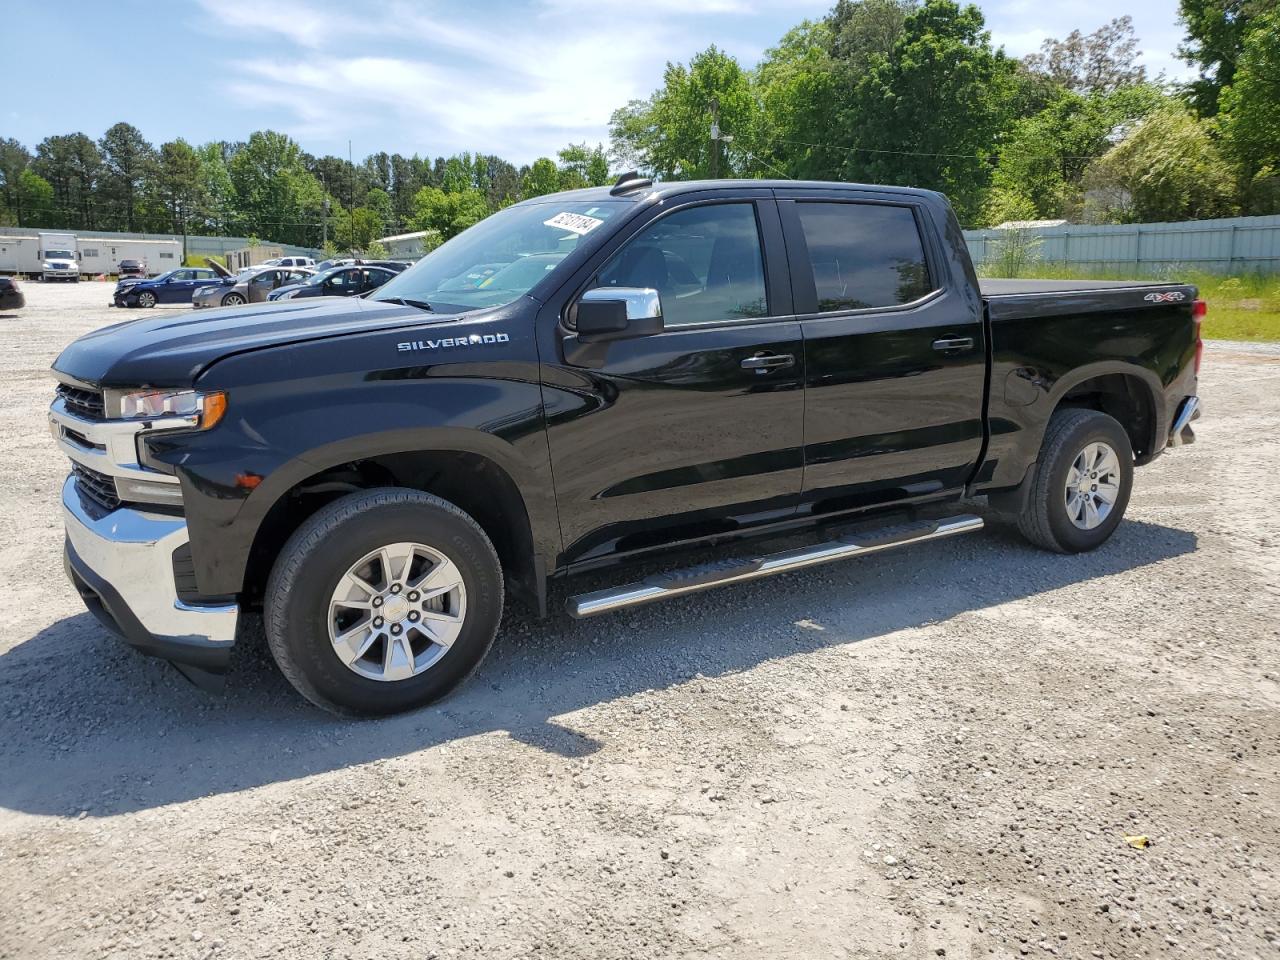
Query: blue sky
(432, 77)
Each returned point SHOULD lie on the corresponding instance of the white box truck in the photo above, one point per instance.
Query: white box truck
(59, 257)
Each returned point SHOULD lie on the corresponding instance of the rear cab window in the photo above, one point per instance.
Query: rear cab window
(864, 255)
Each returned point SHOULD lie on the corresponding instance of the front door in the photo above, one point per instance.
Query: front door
(694, 430)
(894, 358)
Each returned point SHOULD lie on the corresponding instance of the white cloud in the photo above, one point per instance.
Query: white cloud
(519, 89)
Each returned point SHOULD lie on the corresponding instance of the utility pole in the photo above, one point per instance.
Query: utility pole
(715, 138)
(351, 193)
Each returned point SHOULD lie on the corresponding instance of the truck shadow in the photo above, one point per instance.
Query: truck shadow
(92, 727)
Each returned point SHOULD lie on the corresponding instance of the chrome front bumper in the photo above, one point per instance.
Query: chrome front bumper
(122, 565)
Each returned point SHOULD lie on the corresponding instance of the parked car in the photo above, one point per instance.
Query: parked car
(658, 366)
(251, 286)
(338, 282)
(296, 262)
(11, 297)
(176, 286)
(134, 269)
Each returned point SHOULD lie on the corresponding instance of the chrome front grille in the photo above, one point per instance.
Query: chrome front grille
(98, 487)
(82, 402)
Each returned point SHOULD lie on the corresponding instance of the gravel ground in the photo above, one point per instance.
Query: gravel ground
(935, 752)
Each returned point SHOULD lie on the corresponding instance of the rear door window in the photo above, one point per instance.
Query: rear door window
(864, 255)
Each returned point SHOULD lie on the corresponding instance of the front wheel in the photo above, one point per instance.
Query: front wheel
(383, 601)
(146, 299)
(233, 300)
(1083, 480)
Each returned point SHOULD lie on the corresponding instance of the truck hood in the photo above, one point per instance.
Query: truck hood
(172, 350)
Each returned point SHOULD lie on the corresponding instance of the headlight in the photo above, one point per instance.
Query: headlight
(205, 409)
(287, 295)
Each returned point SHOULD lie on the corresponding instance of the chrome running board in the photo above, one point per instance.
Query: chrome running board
(719, 573)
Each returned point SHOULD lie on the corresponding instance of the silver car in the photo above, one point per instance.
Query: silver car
(248, 286)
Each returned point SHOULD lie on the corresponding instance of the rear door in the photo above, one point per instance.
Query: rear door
(696, 429)
(894, 357)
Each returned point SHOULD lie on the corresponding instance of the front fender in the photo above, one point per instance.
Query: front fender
(298, 411)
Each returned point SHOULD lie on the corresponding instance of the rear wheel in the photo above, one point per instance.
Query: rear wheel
(232, 300)
(383, 601)
(146, 299)
(1083, 480)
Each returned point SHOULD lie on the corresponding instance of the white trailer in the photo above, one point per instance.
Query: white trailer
(59, 256)
(19, 254)
(103, 255)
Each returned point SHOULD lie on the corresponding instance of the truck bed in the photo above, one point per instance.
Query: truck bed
(1021, 299)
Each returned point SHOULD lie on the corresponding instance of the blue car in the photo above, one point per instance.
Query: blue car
(176, 286)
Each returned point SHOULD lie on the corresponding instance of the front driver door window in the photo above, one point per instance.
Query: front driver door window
(705, 263)
(342, 284)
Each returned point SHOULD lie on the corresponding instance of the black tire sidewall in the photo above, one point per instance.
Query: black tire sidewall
(298, 606)
(1096, 428)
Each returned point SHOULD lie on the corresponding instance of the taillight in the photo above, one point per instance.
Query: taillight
(1198, 310)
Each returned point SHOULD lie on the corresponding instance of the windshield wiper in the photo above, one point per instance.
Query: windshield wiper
(406, 302)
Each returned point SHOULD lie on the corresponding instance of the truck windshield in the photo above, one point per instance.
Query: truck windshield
(58, 254)
(502, 257)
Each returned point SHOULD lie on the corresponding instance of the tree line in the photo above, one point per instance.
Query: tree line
(878, 91)
(267, 187)
(910, 92)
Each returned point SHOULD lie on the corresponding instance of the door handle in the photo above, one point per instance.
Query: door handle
(948, 344)
(769, 361)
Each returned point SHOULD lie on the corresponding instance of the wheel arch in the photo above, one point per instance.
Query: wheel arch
(479, 473)
(1133, 395)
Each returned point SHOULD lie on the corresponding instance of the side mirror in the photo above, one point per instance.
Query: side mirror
(614, 313)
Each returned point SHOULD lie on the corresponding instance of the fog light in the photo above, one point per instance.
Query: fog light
(148, 491)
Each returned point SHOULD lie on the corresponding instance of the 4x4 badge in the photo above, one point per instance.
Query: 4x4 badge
(1173, 296)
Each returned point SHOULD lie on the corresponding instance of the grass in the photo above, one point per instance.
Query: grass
(1243, 307)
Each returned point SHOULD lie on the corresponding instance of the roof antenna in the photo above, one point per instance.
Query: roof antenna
(631, 180)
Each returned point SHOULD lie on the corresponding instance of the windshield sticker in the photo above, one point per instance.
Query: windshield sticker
(578, 223)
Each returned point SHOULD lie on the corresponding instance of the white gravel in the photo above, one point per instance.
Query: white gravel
(932, 752)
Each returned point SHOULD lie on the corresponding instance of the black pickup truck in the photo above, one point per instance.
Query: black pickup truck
(582, 381)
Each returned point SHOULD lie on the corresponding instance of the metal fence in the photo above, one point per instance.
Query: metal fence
(1230, 246)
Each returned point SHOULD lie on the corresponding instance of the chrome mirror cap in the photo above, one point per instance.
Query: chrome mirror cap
(642, 303)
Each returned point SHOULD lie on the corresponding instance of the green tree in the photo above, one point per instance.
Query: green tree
(71, 164)
(1216, 33)
(542, 178)
(275, 195)
(862, 32)
(670, 133)
(358, 228)
(180, 187)
(34, 200)
(1250, 118)
(1100, 62)
(448, 214)
(798, 82)
(14, 161)
(583, 166)
(1042, 158)
(128, 162)
(927, 114)
(1168, 168)
(218, 189)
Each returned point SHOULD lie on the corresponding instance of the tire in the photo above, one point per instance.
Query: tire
(233, 300)
(318, 560)
(146, 299)
(1047, 517)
